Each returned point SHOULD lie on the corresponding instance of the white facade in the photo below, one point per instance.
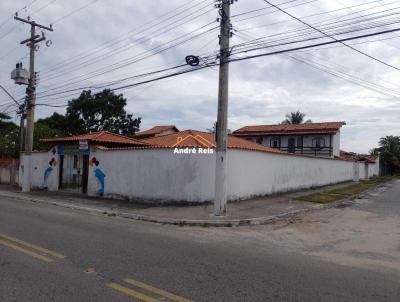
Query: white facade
(327, 145)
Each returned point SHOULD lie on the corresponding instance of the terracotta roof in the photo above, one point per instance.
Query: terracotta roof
(307, 128)
(193, 139)
(155, 130)
(357, 157)
(98, 137)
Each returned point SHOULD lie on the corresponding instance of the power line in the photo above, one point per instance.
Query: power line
(139, 57)
(235, 47)
(166, 28)
(11, 17)
(74, 11)
(329, 36)
(345, 75)
(142, 29)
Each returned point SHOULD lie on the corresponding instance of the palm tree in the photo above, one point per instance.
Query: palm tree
(389, 150)
(295, 118)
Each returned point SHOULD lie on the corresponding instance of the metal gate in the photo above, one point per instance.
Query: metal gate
(74, 172)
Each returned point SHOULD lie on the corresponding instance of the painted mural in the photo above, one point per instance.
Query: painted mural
(47, 173)
(99, 174)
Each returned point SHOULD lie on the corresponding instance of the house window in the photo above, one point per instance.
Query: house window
(300, 142)
(259, 140)
(318, 142)
(274, 143)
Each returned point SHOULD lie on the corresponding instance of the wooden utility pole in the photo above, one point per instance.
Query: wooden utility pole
(31, 98)
(222, 121)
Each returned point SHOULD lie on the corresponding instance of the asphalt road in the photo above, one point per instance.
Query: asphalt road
(97, 258)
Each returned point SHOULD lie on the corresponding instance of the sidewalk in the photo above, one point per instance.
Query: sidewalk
(249, 212)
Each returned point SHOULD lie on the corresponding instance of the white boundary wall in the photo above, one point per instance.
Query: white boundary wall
(39, 164)
(257, 173)
(155, 174)
(160, 176)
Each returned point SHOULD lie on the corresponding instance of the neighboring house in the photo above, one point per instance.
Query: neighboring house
(196, 139)
(156, 131)
(180, 168)
(370, 162)
(357, 157)
(72, 155)
(318, 139)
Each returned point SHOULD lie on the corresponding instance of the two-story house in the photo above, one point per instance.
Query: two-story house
(318, 139)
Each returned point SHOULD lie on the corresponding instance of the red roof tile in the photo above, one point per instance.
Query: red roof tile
(155, 130)
(98, 137)
(307, 128)
(193, 139)
(357, 157)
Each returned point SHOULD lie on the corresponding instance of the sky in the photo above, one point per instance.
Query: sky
(97, 42)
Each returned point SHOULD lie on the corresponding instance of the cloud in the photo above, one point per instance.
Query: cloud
(262, 90)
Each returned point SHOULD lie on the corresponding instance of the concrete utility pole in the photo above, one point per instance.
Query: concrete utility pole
(31, 98)
(222, 121)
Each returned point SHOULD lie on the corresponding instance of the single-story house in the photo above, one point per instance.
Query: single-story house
(317, 139)
(71, 156)
(180, 168)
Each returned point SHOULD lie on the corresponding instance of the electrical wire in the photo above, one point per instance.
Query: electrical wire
(329, 36)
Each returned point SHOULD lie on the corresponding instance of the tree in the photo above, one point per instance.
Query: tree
(100, 112)
(42, 131)
(389, 153)
(9, 133)
(55, 121)
(295, 118)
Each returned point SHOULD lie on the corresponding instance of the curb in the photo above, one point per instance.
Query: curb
(193, 222)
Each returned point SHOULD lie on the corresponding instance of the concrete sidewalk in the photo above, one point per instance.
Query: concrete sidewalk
(248, 212)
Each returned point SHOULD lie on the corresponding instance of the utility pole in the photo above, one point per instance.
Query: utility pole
(32, 43)
(222, 119)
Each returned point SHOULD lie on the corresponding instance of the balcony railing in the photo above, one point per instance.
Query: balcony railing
(316, 151)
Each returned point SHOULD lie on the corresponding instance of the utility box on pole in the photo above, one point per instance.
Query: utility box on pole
(20, 75)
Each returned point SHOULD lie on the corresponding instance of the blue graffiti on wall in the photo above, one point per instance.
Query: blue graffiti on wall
(47, 173)
(99, 175)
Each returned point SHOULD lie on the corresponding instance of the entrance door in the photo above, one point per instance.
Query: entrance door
(74, 172)
(291, 145)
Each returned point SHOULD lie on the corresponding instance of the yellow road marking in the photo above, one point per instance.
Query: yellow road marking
(131, 292)
(25, 251)
(156, 290)
(32, 246)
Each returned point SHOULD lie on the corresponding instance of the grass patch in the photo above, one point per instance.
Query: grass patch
(320, 197)
(350, 190)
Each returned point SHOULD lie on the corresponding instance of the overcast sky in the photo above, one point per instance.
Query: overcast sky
(262, 90)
